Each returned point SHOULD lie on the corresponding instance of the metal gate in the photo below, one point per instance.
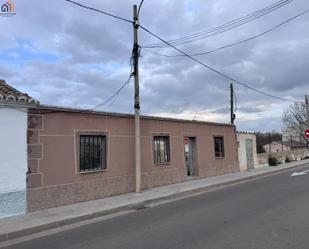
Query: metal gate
(190, 156)
(249, 154)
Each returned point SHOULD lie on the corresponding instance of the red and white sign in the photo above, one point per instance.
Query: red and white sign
(307, 133)
(186, 140)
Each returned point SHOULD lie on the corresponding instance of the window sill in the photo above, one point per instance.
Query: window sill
(162, 164)
(91, 171)
(220, 157)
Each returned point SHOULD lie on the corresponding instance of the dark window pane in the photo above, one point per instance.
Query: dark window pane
(92, 152)
(161, 149)
(219, 146)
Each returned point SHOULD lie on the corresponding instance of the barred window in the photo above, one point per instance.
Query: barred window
(92, 153)
(161, 149)
(219, 146)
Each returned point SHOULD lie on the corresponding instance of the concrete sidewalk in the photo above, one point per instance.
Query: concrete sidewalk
(19, 226)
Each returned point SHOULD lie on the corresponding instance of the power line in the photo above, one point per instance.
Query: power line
(243, 20)
(110, 98)
(224, 27)
(139, 7)
(185, 54)
(99, 11)
(214, 70)
(113, 96)
(235, 43)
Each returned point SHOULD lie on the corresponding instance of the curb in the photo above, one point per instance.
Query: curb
(138, 205)
(217, 186)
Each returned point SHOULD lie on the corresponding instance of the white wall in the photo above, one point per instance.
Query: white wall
(242, 156)
(13, 149)
(276, 147)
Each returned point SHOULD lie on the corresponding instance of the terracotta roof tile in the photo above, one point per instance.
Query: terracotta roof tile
(10, 94)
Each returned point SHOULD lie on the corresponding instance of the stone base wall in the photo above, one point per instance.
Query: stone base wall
(281, 156)
(164, 177)
(59, 195)
(213, 171)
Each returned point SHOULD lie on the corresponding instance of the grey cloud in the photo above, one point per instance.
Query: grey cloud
(222, 110)
(276, 63)
(251, 109)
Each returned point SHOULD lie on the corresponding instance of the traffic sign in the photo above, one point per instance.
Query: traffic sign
(307, 133)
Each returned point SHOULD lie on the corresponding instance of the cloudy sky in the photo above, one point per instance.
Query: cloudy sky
(68, 56)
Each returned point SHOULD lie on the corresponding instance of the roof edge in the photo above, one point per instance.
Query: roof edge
(53, 109)
(246, 132)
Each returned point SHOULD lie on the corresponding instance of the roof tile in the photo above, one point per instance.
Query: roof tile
(10, 94)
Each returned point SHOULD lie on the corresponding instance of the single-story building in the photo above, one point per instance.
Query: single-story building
(78, 155)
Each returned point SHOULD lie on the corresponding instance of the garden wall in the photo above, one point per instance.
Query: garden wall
(293, 155)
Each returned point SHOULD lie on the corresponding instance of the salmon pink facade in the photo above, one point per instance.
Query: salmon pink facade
(56, 153)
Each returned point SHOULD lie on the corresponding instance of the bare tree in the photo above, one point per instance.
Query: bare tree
(295, 118)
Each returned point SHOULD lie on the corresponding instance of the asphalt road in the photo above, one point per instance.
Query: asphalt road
(267, 213)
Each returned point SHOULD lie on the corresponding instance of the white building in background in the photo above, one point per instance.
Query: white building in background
(13, 147)
(289, 134)
(276, 147)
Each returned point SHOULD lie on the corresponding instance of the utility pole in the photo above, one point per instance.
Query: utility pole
(136, 51)
(307, 114)
(307, 109)
(269, 140)
(232, 104)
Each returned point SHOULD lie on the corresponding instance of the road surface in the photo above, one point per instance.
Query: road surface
(267, 213)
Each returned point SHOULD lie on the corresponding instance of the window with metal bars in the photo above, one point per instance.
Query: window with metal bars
(161, 149)
(219, 146)
(92, 153)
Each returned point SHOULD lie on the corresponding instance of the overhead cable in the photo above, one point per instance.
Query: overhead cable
(110, 98)
(222, 28)
(235, 43)
(215, 70)
(99, 11)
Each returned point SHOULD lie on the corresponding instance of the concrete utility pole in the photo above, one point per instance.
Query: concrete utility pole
(138, 174)
(232, 104)
(269, 140)
(307, 112)
(307, 109)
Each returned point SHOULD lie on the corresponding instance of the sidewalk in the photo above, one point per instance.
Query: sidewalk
(31, 223)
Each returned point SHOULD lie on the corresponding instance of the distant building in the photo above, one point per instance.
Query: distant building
(292, 138)
(276, 147)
